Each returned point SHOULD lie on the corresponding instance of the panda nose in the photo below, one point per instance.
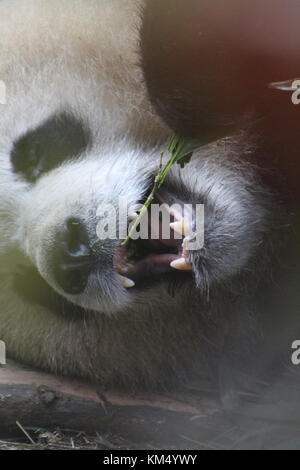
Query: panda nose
(73, 259)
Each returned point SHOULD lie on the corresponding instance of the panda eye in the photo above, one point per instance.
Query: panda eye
(59, 139)
(32, 158)
(26, 160)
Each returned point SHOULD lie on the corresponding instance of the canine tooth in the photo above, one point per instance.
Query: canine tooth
(126, 282)
(121, 268)
(185, 246)
(177, 227)
(182, 227)
(133, 215)
(181, 264)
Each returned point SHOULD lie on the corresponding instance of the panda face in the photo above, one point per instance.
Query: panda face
(67, 179)
(65, 176)
(64, 170)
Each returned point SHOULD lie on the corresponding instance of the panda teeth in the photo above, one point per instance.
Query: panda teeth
(124, 266)
(132, 216)
(126, 282)
(185, 248)
(181, 264)
(182, 227)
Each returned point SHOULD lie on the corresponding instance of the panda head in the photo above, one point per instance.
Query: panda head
(77, 133)
(73, 140)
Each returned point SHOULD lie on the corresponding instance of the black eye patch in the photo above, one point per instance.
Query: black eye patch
(60, 138)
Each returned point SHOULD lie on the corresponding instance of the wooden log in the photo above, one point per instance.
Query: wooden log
(36, 399)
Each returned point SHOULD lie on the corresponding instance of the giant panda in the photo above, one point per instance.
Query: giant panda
(78, 130)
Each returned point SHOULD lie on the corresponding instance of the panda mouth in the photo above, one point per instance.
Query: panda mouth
(153, 259)
(146, 259)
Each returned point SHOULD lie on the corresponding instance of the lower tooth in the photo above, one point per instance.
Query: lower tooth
(185, 246)
(133, 216)
(182, 227)
(181, 264)
(126, 282)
